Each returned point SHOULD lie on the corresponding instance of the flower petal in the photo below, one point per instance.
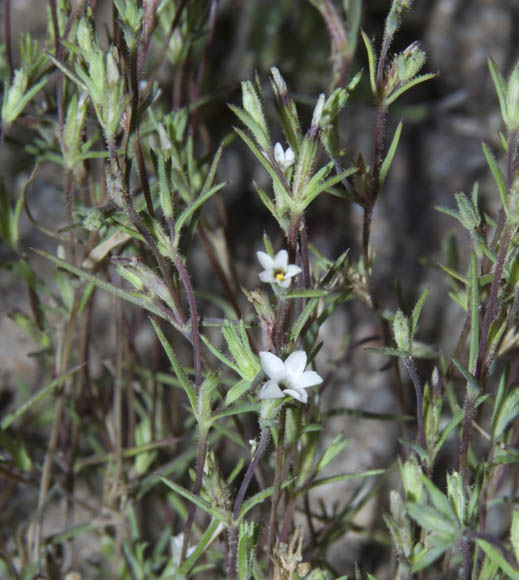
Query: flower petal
(295, 364)
(289, 157)
(308, 379)
(265, 260)
(272, 366)
(267, 276)
(300, 395)
(281, 260)
(271, 390)
(292, 270)
(279, 154)
(284, 283)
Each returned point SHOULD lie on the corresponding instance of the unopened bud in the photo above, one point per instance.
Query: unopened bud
(285, 159)
(468, 214)
(512, 99)
(402, 332)
(112, 70)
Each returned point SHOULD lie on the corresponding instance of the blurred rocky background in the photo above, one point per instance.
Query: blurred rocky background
(445, 121)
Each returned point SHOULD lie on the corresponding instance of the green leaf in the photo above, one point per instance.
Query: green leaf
(440, 501)
(188, 387)
(261, 137)
(261, 158)
(342, 477)
(220, 356)
(257, 498)
(371, 62)
(416, 81)
(237, 391)
(245, 550)
(388, 351)
(19, 411)
(67, 72)
(500, 85)
(298, 325)
(189, 211)
(497, 557)
(514, 533)
(508, 411)
(390, 155)
(332, 450)
(470, 378)
(217, 513)
(427, 556)
(303, 293)
(138, 300)
(15, 446)
(417, 310)
(429, 519)
(453, 423)
(496, 172)
(201, 546)
(474, 313)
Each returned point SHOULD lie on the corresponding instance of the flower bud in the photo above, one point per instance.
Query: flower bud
(468, 214)
(512, 98)
(402, 332)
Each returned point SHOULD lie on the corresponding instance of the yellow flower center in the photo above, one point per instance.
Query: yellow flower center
(279, 275)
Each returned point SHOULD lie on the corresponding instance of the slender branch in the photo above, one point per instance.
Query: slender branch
(498, 271)
(277, 477)
(8, 42)
(410, 366)
(200, 463)
(190, 294)
(233, 534)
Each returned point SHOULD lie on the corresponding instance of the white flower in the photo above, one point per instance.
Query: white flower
(277, 269)
(175, 544)
(287, 378)
(285, 159)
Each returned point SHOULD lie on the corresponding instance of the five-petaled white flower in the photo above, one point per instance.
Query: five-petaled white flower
(277, 269)
(287, 378)
(285, 159)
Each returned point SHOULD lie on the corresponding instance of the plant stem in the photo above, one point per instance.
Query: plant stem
(411, 368)
(8, 43)
(277, 477)
(200, 463)
(233, 537)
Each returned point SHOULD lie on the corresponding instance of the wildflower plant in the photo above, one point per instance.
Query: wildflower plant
(205, 455)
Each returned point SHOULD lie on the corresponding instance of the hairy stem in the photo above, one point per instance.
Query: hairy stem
(411, 368)
(238, 502)
(277, 478)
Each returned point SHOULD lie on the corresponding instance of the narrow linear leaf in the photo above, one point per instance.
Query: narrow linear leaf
(66, 71)
(220, 356)
(119, 292)
(200, 200)
(390, 155)
(497, 557)
(342, 477)
(416, 81)
(496, 172)
(201, 546)
(302, 319)
(474, 313)
(177, 367)
(371, 61)
(218, 514)
(500, 85)
(24, 407)
(417, 310)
